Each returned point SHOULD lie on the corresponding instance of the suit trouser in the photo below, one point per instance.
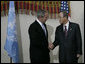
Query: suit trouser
(40, 60)
(69, 61)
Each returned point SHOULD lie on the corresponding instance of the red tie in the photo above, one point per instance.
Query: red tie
(65, 30)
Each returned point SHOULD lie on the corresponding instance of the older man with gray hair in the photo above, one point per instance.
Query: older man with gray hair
(38, 34)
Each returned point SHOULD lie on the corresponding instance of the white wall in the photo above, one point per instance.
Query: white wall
(23, 23)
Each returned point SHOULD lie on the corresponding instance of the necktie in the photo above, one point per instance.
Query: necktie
(65, 30)
(44, 28)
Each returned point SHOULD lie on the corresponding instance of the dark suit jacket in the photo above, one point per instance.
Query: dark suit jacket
(39, 51)
(69, 46)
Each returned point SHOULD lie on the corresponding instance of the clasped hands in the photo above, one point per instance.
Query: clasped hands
(51, 46)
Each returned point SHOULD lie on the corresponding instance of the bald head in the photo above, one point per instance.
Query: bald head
(64, 14)
(63, 17)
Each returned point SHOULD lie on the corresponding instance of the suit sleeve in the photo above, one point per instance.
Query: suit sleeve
(79, 40)
(56, 41)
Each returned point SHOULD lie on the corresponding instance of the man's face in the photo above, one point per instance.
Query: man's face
(61, 18)
(44, 19)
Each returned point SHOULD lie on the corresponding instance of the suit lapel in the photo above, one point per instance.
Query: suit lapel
(41, 30)
(62, 31)
(46, 30)
(69, 29)
(39, 26)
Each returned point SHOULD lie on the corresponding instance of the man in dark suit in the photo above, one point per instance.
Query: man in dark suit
(39, 52)
(68, 37)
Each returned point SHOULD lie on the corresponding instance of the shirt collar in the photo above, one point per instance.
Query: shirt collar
(39, 22)
(67, 25)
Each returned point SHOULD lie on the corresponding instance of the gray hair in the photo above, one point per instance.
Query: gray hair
(41, 13)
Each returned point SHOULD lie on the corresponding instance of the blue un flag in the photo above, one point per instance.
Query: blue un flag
(11, 45)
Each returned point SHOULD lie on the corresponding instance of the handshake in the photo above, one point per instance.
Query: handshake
(50, 46)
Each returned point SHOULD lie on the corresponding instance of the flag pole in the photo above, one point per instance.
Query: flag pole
(10, 59)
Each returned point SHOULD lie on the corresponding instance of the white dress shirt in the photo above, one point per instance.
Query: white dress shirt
(67, 26)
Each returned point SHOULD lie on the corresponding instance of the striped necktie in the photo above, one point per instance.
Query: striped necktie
(65, 30)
